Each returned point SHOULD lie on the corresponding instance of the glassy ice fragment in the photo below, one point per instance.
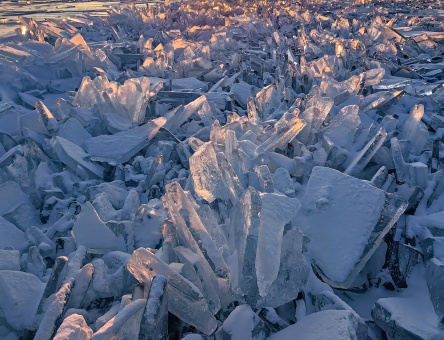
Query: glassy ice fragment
(184, 299)
(292, 272)
(365, 155)
(126, 323)
(213, 176)
(209, 291)
(284, 131)
(275, 212)
(345, 219)
(191, 232)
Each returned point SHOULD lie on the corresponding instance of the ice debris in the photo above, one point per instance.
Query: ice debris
(224, 170)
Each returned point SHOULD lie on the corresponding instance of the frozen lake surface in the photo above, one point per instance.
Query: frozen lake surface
(40, 10)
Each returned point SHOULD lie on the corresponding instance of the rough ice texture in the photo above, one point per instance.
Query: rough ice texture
(345, 219)
(329, 324)
(120, 147)
(20, 295)
(74, 327)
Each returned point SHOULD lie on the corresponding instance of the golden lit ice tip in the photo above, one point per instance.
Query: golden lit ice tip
(23, 30)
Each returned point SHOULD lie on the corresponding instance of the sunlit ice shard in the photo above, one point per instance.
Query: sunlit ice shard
(346, 219)
(213, 177)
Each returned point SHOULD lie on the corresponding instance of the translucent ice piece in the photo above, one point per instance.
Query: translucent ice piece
(213, 176)
(120, 147)
(191, 232)
(73, 131)
(275, 212)
(292, 272)
(284, 131)
(126, 323)
(243, 323)
(176, 119)
(419, 323)
(184, 299)
(187, 256)
(365, 155)
(411, 124)
(345, 219)
(343, 126)
(316, 110)
(268, 99)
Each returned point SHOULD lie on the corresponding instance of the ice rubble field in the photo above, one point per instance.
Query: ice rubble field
(224, 170)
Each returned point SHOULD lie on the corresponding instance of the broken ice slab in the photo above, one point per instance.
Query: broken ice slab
(21, 293)
(435, 283)
(154, 325)
(120, 147)
(327, 300)
(213, 177)
(407, 318)
(184, 299)
(268, 99)
(53, 310)
(343, 126)
(90, 231)
(11, 235)
(74, 326)
(346, 220)
(75, 157)
(74, 132)
(328, 324)
(292, 273)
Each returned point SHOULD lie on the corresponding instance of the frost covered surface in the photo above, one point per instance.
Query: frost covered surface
(224, 170)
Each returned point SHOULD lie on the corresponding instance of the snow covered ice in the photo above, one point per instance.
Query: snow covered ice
(222, 170)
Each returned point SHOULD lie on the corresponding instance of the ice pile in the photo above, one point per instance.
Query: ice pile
(222, 170)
